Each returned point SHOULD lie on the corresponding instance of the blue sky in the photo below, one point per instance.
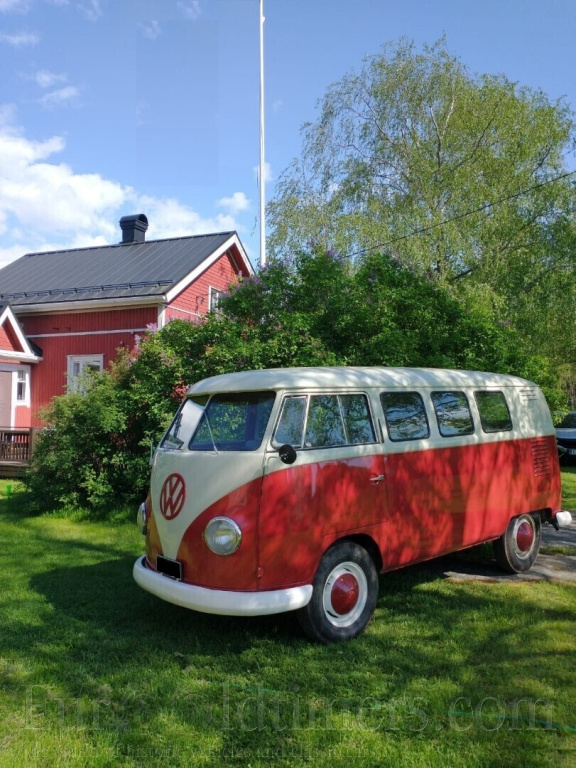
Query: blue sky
(112, 107)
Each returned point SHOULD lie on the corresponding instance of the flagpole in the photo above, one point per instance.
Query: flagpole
(262, 173)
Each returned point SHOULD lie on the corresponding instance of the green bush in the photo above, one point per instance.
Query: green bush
(86, 456)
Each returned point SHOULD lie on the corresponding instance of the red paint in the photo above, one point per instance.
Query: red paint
(194, 301)
(524, 537)
(238, 571)
(51, 333)
(8, 339)
(306, 506)
(344, 594)
(22, 417)
(432, 502)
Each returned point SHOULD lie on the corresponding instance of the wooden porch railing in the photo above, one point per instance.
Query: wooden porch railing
(16, 447)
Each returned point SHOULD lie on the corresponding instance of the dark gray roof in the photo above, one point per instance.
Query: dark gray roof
(105, 272)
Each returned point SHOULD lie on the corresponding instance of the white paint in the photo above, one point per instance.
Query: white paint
(222, 602)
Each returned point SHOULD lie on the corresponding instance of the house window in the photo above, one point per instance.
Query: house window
(22, 386)
(215, 297)
(80, 365)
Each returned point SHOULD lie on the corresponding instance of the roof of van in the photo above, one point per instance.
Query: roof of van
(354, 377)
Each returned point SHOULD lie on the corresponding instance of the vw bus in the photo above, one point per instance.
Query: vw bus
(292, 489)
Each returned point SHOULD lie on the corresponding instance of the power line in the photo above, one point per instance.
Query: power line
(459, 216)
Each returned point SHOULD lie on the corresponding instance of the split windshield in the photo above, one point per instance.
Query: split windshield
(224, 422)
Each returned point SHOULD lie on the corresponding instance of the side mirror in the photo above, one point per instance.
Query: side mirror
(287, 454)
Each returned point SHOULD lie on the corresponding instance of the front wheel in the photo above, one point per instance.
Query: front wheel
(345, 591)
(517, 549)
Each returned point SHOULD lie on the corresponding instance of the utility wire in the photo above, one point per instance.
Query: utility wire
(459, 216)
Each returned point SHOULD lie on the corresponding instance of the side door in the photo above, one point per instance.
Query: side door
(335, 486)
(431, 456)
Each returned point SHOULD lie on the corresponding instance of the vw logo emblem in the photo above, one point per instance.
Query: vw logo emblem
(172, 496)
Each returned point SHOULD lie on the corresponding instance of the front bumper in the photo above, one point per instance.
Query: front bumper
(219, 601)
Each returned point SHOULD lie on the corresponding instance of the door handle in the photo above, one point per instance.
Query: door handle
(377, 479)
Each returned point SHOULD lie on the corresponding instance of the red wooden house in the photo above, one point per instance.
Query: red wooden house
(64, 311)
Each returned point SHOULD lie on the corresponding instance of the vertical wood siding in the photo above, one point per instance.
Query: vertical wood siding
(51, 334)
(22, 417)
(194, 301)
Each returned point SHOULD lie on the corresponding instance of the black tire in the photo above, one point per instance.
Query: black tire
(517, 549)
(345, 591)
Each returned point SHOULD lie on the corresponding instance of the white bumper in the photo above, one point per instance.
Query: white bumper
(563, 519)
(223, 602)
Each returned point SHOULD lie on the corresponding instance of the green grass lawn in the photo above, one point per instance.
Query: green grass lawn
(569, 487)
(96, 672)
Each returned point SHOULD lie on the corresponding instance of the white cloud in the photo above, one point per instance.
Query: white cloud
(20, 39)
(45, 205)
(46, 79)
(91, 9)
(236, 203)
(190, 8)
(151, 29)
(13, 5)
(60, 97)
(169, 218)
(277, 105)
(268, 175)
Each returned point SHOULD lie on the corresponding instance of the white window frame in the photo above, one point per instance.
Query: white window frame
(22, 376)
(83, 362)
(214, 295)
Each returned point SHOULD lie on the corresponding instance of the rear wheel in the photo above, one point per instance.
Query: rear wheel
(517, 549)
(345, 591)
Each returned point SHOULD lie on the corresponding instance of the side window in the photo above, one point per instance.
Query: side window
(357, 421)
(405, 416)
(324, 427)
(452, 413)
(290, 427)
(324, 421)
(493, 410)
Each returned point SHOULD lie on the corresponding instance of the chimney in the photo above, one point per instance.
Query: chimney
(133, 228)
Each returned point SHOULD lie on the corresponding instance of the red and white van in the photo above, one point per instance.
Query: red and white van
(291, 489)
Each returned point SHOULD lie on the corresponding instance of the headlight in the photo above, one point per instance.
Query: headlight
(223, 536)
(142, 518)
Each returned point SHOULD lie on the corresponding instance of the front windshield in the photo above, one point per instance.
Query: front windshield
(233, 422)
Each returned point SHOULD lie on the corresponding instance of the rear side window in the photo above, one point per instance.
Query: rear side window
(452, 413)
(405, 416)
(324, 421)
(493, 410)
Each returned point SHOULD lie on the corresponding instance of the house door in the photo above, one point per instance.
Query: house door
(5, 398)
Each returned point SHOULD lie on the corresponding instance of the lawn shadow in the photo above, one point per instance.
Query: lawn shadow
(240, 680)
